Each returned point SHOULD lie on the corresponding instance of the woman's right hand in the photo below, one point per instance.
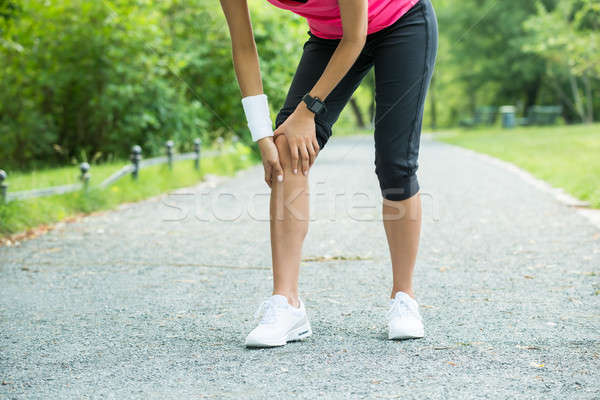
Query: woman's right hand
(270, 160)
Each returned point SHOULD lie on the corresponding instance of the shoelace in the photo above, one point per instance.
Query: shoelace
(401, 307)
(270, 312)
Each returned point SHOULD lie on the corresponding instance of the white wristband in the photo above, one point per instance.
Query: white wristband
(257, 113)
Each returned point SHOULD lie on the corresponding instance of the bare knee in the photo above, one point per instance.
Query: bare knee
(290, 198)
(285, 157)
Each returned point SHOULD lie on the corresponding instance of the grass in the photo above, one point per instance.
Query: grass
(59, 176)
(564, 156)
(21, 215)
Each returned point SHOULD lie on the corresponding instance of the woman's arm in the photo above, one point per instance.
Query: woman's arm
(247, 70)
(299, 126)
(245, 57)
(354, 22)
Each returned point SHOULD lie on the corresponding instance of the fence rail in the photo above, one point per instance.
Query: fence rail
(49, 191)
(137, 163)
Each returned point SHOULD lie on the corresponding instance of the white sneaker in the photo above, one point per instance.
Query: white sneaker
(281, 323)
(404, 320)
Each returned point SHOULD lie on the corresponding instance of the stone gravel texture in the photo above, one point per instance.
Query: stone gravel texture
(154, 299)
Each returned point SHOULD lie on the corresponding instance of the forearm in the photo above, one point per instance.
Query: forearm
(340, 62)
(247, 70)
(353, 14)
(254, 101)
(243, 47)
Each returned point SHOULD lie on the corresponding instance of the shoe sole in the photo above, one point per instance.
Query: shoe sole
(302, 332)
(414, 334)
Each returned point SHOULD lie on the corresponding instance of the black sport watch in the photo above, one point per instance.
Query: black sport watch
(314, 104)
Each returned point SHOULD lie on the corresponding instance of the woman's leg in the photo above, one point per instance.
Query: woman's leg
(289, 212)
(402, 223)
(290, 199)
(404, 61)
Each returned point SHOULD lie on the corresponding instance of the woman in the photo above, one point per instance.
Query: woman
(346, 38)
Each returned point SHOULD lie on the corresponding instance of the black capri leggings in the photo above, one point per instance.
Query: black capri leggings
(404, 56)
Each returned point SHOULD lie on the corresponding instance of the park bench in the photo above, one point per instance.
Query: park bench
(485, 115)
(541, 115)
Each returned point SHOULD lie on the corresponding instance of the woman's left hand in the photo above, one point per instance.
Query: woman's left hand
(301, 135)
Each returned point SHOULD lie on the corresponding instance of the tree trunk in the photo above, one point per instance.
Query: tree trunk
(357, 113)
(372, 111)
(589, 98)
(532, 92)
(576, 96)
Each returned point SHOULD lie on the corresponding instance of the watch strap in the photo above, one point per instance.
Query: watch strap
(314, 104)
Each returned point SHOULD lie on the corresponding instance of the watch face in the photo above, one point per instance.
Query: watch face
(313, 104)
(317, 106)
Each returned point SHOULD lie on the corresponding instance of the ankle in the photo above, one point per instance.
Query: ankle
(408, 291)
(292, 298)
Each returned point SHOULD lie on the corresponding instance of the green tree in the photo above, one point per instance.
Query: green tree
(88, 79)
(568, 38)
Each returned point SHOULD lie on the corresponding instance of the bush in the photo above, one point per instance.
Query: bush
(88, 79)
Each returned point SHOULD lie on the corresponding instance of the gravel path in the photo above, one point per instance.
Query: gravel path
(153, 300)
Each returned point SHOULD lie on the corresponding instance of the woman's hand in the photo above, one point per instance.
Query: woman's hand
(301, 135)
(270, 160)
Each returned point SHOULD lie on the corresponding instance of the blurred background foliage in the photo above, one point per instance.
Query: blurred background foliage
(514, 52)
(87, 79)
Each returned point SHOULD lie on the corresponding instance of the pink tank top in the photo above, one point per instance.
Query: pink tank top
(323, 16)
